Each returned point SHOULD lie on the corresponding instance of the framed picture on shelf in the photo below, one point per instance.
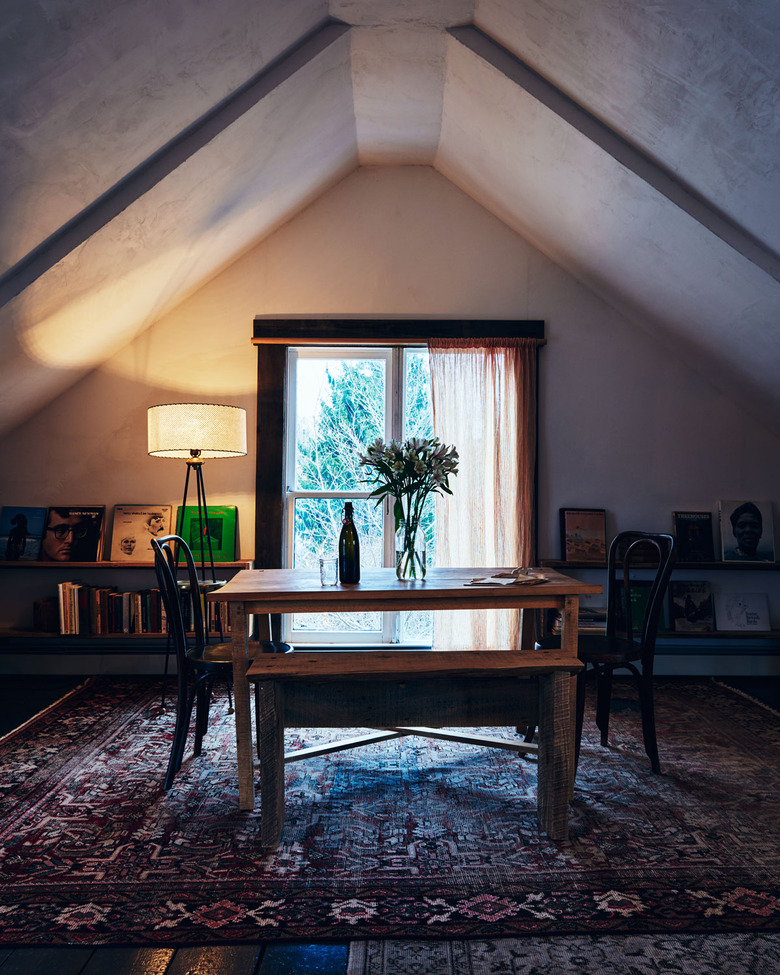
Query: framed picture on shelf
(742, 611)
(693, 532)
(746, 531)
(690, 607)
(583, 534)
(222, 527)
(134, 527)
(21, 530)
(73, 534)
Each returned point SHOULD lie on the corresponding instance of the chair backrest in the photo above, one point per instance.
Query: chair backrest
(166, 554)
(637, 618)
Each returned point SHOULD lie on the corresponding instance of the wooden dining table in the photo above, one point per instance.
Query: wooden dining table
(399, 691)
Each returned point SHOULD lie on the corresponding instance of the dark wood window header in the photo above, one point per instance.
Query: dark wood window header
(386, 331)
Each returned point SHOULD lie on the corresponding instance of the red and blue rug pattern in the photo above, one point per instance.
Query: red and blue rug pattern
(409, 838)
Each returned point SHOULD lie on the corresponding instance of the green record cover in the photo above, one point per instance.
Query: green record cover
(222, 530)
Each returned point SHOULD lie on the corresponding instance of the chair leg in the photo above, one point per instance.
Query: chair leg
(203, 697)
(603, 700)
(645, 685)
(184, 704)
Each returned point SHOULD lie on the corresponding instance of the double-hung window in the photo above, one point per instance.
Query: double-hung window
(339, 401)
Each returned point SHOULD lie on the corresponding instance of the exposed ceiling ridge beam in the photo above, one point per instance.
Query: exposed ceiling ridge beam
(166, 159)
(653, 173)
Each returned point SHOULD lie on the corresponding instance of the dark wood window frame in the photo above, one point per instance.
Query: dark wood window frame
(273, 336)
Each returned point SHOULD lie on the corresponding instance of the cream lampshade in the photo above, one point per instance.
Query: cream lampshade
(184, 430)
(193, 432)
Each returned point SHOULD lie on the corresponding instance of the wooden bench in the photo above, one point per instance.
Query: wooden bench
(400, 692)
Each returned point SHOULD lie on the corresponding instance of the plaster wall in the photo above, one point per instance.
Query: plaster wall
(625, 423)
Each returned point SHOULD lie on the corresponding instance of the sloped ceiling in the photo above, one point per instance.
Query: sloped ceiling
(147, 144)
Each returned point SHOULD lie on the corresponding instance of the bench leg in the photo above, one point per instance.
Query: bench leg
(556, 754)
(270, 725)
(242, 710)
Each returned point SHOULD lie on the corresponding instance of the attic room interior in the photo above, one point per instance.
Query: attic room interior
(178, 177)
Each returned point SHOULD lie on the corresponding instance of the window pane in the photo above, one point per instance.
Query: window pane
(340, 409)
(417, 627)
(317, 528)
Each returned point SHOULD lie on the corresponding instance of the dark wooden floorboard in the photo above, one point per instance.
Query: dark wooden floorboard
(230, 960)
(128, 961)
(46, 961)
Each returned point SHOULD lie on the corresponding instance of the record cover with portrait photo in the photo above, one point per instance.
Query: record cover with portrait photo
(134, 527)
(73, 534)
(747, 531)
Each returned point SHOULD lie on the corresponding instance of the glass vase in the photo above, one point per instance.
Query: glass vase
(409, 552)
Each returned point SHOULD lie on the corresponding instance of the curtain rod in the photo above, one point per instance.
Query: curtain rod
(385, 331)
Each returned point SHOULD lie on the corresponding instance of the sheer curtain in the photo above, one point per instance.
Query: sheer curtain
(484, 402)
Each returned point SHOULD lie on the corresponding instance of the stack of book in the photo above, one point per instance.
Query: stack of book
(100, 610)
(592, 618)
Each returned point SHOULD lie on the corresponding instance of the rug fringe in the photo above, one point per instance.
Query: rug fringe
(55, 704)
(749, 697)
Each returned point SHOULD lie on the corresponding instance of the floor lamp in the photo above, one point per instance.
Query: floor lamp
(194, 432)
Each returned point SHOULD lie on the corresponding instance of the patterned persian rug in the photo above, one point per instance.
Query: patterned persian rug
(645, 954)
(412, 838)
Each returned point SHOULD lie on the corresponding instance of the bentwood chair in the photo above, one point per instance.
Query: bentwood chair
(198, 663)
(632, 627)
(634, 603)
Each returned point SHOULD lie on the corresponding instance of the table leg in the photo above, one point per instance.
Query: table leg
(270, 731)
(243, 715)
(569, 642)
(556, 754)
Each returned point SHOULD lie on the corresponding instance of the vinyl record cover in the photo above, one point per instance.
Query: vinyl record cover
(747, 531)
(73, 534)
(21, 530)
(134, 527)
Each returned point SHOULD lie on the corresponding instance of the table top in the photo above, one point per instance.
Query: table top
(299, 590)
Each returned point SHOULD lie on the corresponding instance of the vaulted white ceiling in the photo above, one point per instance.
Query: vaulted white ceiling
(146, 144)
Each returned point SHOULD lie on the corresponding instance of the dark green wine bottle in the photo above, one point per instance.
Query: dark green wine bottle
(349, 549)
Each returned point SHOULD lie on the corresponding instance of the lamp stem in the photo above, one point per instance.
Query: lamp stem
(196, 463)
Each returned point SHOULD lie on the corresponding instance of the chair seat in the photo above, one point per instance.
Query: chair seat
(213, 653)
(613, 650)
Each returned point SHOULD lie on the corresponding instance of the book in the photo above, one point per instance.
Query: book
(73, 534)
(746, 531)
(742, 611)
(222, 529)
(690, 607)
(693, 533)
(134, 526)
(583, 534)
(639, 594)
(21, 530)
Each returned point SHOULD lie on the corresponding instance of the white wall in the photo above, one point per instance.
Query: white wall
(624, 424)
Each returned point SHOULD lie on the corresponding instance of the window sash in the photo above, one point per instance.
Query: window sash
(395, 364)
